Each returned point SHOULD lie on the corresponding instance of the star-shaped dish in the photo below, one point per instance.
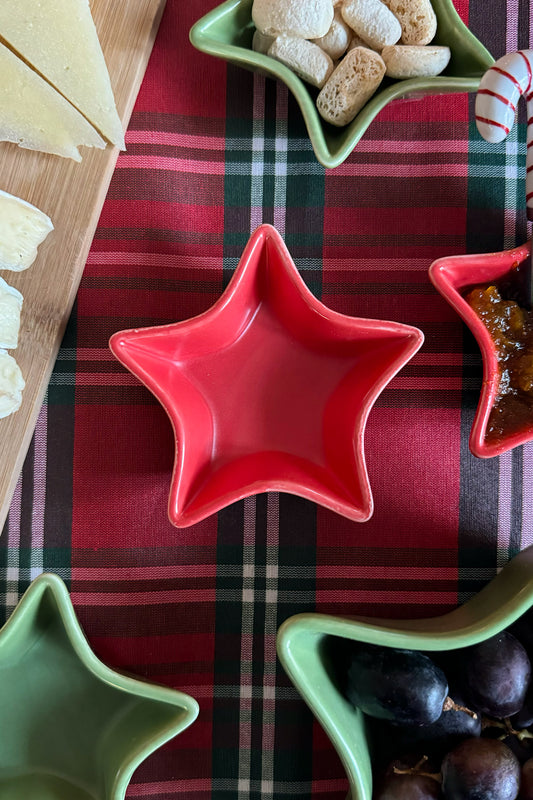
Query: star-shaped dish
(452, 276)
(268, 390)
(73, 728)
(226, 32)
(310, 647)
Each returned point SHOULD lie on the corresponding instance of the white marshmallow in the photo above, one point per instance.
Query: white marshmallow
(415, 61)
(372, 21)
(336, 41)
(352, 83)
(417, 19)
(306, 59)
(261, 42)
(306, 18)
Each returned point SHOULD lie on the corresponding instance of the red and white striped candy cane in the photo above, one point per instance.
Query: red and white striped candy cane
(497, 98)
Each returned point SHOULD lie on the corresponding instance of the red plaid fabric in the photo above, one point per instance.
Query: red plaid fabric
(212, 151)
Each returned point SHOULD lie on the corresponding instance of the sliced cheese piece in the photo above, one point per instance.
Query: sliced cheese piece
(22, 229)
(35, 116)
(10, 308)
(11, 385)
(59, 40)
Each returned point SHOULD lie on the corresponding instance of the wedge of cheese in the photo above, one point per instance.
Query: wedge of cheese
(10, 308)
(11, 385)
(34, 115)
(22, 229)
(59, 40)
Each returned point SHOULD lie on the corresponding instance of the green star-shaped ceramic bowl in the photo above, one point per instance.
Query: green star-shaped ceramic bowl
(307, 644)
(73, 729)
(227, 30)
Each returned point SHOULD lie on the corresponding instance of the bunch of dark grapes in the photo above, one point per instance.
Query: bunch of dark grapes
(448, 726)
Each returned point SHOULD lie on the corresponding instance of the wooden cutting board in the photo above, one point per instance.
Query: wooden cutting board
(72, 194)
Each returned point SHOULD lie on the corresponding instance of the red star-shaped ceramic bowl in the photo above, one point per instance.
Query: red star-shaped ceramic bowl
(268, 390)
(452, 277)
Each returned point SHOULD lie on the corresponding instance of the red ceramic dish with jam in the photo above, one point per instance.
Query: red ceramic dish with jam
(504, 416)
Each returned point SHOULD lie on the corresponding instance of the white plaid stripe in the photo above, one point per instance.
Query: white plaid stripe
(288, 788)
(257, 166)
(514, 162)
(271, 619)
(30, 542)
(13, 522)
(527, 497)
(272, 548)
(11, 594)
(504, 507)
(39, 492)
(280, 183)
(514, 173)
(512, 17)
(248, 606)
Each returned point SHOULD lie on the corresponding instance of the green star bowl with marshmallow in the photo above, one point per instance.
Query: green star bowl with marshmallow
(227, 32)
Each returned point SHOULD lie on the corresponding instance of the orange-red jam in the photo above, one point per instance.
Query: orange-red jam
(511, 328)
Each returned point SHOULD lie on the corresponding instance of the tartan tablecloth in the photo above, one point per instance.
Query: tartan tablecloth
(213, 151)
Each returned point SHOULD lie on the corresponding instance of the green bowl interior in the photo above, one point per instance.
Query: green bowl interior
(227, 30)
(307, 644)
(77, 729)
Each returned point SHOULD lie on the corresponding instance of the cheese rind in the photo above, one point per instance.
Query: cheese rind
(10, 308)
(59, 40)
(35, 116)
(22, 229)
(11, 385)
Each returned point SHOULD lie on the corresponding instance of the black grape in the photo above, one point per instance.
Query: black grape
(454, 724)
(524, 717)
(480, 769)
(526, 782)
(522, 748)
(497, 729)
(403, 686)
(496, 676)
(408, 787)
(523, 630)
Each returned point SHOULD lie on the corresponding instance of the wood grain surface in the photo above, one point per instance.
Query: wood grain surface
(72, 194)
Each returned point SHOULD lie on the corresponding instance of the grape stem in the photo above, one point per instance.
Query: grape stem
(451, 705)
(417, 770)
(507, 726)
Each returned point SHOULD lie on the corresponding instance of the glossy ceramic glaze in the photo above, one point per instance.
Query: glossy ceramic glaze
(452, 276)
(74, 729)
(268, 390)
(227, 30)
(306, 647)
